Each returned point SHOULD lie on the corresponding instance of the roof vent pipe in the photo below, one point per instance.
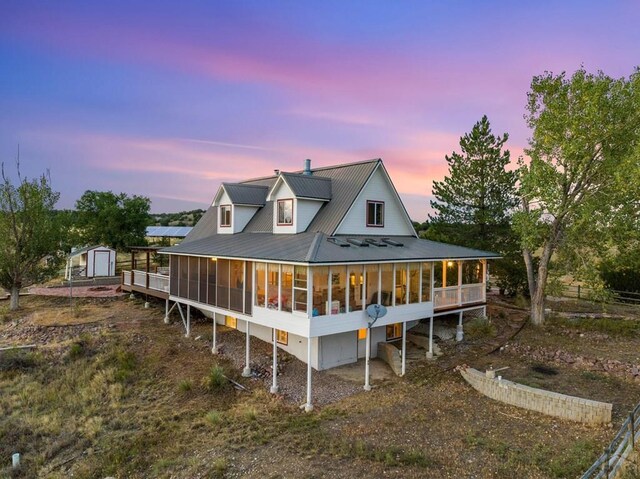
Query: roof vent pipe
(307, 167)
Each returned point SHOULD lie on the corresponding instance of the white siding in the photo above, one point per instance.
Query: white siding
(396, 221)
(108, 261)
(240, 216)
(303, 213)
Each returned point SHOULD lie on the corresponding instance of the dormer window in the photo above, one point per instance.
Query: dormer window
(375, 213)
(225, 215)
(285, 212)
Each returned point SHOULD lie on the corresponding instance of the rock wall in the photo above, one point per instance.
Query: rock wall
(546, 402)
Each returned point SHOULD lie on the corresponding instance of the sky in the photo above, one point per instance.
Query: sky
(168, 99)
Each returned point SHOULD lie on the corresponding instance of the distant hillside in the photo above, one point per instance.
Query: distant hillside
(183, 218)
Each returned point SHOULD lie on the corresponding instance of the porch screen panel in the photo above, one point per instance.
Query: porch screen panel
(194, 274)
(236, 285)
(400, 296)
(338, 289)
(320, 290)
(471, 272)
(204, 262)
(414, 282)
(426, 282)
(174, 277)
(300, 288)
(222, 297)
(248, 288)
(371, 281)
(286, 290)
(452, 273)
(184, 277)
(437, 274)
(273, 280)
(386, 279)
(261, 280)
(211, 282)
(356, 283)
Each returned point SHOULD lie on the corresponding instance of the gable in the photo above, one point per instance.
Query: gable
(380, 189)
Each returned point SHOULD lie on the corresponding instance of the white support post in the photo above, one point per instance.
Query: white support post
(214, 341)
(308, 406)
(430, 352)
(188, 333)
(246, 372)
(404, 347)
(274, 374)
(459, 331)
(166, 311)
(367, 386)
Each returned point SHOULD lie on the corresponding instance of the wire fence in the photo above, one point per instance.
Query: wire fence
(614, 296)
(612, 459)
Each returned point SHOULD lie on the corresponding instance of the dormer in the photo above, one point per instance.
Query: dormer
(236, 204)
(297, 197)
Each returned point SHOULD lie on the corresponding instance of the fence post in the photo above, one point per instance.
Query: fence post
(578, 291)
(633, 431)
(606, 461)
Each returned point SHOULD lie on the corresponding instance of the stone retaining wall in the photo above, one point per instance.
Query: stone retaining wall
(546, 402)
(391, 355)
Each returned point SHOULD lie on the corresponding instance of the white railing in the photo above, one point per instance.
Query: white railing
(158, 282)
(444, 297)
(139, 278)
(472, 293)
(458, 296)
(126, 278)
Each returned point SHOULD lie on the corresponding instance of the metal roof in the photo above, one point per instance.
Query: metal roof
(308, 186)
(242, 194)
(168, 231)
(320, 248)
(205, 227)
(86, 249)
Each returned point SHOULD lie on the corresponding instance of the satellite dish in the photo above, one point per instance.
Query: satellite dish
(375, 311)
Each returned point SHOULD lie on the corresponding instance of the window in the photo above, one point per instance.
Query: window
(320, 290)
(375, 213)
(286, 288)
(362, 333)
(285, 212)
(225, 215)
(394, 331)
(471, 272)
(282, 337)
(451, 273)
(300, 288)
(261, 281)
(400, 296)
(356, 280)
(426, 282)
(414, 282)
(371, 284)
(231, 322)
(386, 280)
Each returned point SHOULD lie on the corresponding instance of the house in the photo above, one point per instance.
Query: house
(296, 258)
(91, 262)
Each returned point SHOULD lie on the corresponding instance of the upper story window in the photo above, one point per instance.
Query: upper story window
(225, 215)
(285, 212)
(375, 213)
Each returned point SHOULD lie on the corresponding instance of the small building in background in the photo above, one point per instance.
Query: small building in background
(91, 262)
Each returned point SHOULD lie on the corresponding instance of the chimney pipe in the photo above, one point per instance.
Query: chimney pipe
(307, 167)
(277, 172)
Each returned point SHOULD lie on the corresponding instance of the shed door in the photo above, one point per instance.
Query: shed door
(101, 263)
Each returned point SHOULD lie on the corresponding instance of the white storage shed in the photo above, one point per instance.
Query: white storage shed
(91, 262)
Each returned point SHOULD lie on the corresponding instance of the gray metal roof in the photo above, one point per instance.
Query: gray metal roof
(320, 248)
(243, 194)
(168, 231)
(205, 227)
(308, 186)
(86, 249)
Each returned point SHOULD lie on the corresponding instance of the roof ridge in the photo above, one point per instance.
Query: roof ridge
(314, 246)
(320, 168)
(245, 186)
(302, 175)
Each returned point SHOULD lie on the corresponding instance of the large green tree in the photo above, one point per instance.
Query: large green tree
(580, 189)
(29, 232)
(116, 220)
(474, 202)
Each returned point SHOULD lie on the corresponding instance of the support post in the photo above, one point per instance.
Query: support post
(166, 311)
(459, 330)
(274, 374)
(214, 341)
(367, 386)
(246, 372)
(404, 347)
(188, 321)
(430, 352)
(308, 407)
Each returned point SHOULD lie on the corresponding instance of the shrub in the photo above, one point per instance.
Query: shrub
(214, 417)
(216, 379)
(185, 385)
(480, 327)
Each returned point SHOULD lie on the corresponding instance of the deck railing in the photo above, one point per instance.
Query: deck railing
(458, 296)
(158, 282)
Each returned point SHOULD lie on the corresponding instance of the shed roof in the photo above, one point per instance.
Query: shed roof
(86, 249)
(308, 186)
(243, 194)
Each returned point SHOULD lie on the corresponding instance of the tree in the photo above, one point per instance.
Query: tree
(478, 192)
(580, 189)
(118, 221)
(474, 202)
(29, 250)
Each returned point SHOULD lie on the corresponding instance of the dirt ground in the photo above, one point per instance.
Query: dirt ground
(112, 390)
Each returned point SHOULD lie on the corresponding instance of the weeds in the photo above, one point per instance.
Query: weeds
(185, 386)
(214, 417)
(216, 379)
(611, 326)
(480, 327)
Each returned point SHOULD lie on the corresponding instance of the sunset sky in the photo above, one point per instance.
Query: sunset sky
(168, 99)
